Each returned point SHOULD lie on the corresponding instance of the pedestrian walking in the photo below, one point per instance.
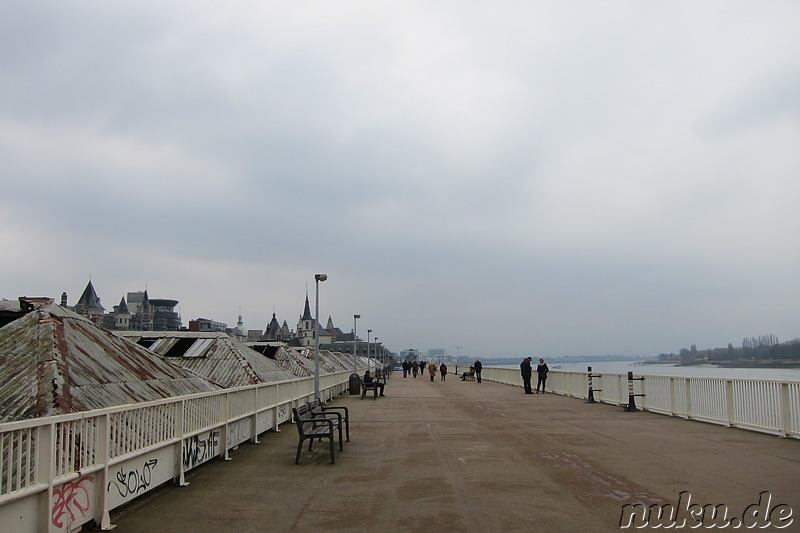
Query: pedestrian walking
(432, 370)
(478, 367)
(442, 371)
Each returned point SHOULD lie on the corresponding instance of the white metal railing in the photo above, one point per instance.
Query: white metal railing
(59, 472)
(761, 405)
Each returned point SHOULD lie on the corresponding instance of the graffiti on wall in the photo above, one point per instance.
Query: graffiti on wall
(133, 481)
(199, 449)
(71, 499)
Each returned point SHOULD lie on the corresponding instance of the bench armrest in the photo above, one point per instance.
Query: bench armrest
(317, 422)
(337, 408)
(320, 415)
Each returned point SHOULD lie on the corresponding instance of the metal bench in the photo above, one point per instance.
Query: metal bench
(365, 386)
(339, 414)
(310, 427)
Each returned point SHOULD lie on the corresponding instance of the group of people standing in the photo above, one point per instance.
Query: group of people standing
(418, 367)
(526, 368)
(527, 372)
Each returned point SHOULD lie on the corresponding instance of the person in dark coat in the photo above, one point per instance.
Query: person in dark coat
(443, 371)
(527, 372)
(478, 366)
(541, 370)
(378, 384)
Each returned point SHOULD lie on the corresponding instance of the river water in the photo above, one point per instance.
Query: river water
(704, 371)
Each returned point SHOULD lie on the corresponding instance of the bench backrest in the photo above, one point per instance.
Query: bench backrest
(302, 412)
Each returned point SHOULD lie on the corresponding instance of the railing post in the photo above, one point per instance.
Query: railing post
(786, 410)
(275, 427)
(180, 415)
(644, 392)
(226, 417)
(45, 455)
(672, 399)
(730, 406)
(103, 457)
(254, 440)
(688, 394)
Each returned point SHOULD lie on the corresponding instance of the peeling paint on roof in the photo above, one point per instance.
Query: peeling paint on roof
(214, 356)
(54, 361)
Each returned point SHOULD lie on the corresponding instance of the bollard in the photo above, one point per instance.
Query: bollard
(631, 407)
(591, 399)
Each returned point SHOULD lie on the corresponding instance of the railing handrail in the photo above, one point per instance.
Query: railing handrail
(716, 402)
(42, 459)
(33, 422)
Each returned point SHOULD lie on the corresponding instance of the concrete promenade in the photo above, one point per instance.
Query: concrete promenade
(461, 457)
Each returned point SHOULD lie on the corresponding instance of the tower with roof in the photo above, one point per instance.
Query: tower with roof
(89, 305)
(121, 316)
(273, 331)
(305, 329)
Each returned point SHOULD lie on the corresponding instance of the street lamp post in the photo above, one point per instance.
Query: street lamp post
(376, 355)
(355, 342)
(317, 279)
(355, 382)
(369, 352)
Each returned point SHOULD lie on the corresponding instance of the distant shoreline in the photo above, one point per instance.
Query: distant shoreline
(732, 363)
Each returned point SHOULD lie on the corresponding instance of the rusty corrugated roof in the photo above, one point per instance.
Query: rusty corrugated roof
(54, 361)
(213, 355)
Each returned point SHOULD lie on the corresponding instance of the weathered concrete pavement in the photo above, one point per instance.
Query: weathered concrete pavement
(463, 457)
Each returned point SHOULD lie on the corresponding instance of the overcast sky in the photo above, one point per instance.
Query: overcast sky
(515, 178)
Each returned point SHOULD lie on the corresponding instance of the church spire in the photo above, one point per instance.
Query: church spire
(307, 311)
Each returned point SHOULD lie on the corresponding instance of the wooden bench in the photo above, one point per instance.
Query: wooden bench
(339, 414)
(310, 427)
(468, 376)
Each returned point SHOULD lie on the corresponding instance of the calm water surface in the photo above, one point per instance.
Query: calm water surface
(703, 371)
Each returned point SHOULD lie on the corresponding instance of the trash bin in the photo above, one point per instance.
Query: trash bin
(355, 384)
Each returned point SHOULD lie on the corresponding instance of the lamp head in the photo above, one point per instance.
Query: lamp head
(321, 277)
(356, 316)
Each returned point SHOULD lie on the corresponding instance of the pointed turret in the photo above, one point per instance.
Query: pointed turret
(307, 311)
(122, 307)
(273, 332)
(121, 317)
(89, 305)
(89, 298)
